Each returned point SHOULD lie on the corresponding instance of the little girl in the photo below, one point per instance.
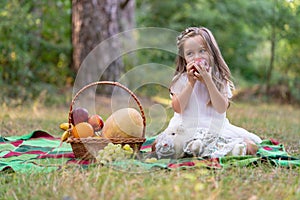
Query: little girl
(201, 89)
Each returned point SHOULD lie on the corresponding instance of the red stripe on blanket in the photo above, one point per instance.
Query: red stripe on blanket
(65, 155)
(42, 134)
(267, 148)
(175, 165)
(17, 143)
(36, 152)
(12, 153)
(146, 147)
(275, 142)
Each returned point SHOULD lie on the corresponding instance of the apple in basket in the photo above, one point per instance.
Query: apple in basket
(79, 115)
(124, 123)
(96, 121)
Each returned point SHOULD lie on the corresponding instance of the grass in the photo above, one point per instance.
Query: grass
(262, 182)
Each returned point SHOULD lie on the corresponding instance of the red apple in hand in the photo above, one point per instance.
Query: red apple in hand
(79, 115)
(201, 61)
(96, 121)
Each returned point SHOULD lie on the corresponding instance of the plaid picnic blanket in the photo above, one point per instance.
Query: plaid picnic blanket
(39, 151)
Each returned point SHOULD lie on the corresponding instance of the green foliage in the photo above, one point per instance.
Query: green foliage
(243, 30)
(35, 48)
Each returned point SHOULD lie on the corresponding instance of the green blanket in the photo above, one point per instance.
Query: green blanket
(41, 152)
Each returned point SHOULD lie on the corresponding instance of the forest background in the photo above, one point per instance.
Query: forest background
(259, 41)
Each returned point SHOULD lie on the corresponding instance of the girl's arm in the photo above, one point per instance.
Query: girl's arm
(180, 100)
(218, 100)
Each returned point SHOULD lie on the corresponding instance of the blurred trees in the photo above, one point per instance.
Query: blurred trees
(280, 24)
(259, 40)
(34, 49)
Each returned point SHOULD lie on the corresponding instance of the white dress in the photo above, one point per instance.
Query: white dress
(198, 116)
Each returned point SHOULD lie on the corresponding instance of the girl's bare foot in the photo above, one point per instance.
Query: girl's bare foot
(251, 147)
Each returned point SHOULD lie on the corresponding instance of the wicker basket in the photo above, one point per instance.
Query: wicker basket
(87, 148)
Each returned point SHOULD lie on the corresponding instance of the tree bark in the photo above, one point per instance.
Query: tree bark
(94, 21)
(272, 56)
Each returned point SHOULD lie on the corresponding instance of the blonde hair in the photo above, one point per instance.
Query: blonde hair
(220, 70)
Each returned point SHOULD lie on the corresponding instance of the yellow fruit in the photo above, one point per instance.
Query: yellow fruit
(64, 126)
(83, 130)
(124, 123)
(65, 136)
(150, 160)
(126, 147)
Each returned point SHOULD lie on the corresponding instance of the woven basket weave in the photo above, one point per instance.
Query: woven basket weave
(87, 148)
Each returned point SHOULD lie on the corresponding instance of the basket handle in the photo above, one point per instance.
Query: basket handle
(109, 83)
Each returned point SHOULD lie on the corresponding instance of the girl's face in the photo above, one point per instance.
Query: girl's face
(194, 48)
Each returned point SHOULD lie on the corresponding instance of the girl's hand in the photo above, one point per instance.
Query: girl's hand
(203, 72)
(190, 69)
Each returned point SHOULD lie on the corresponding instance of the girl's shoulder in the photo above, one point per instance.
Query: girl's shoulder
(178, 82)
(180, 77)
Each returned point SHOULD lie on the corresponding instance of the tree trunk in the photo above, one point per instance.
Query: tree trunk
(94, 21)
(272, 57)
